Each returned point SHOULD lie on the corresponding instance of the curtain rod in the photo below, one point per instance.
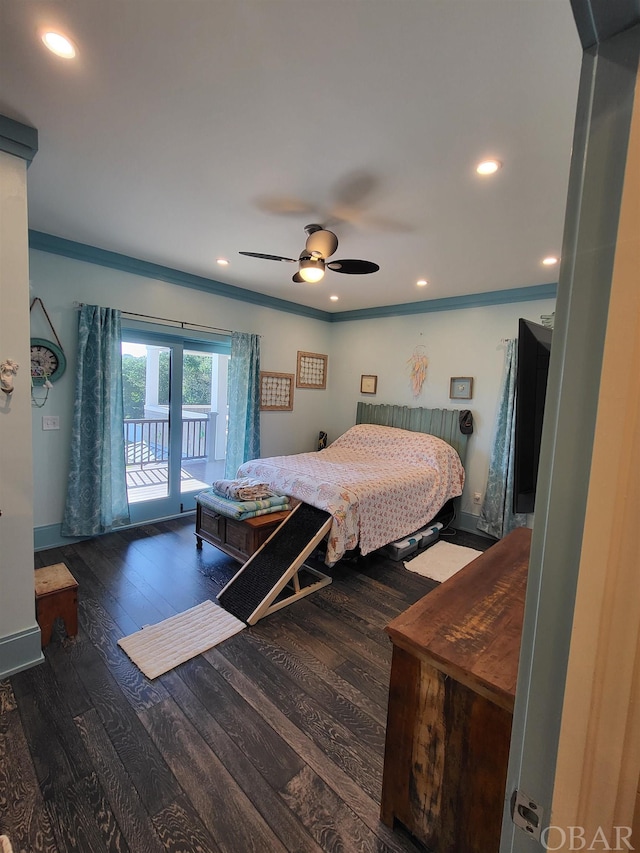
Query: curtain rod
(181, 323)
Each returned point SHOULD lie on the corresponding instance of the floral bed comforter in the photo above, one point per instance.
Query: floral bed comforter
(379, 483)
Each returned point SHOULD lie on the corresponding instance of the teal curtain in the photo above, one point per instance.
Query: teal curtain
(97, 489)
(243, 438)
(497, 516)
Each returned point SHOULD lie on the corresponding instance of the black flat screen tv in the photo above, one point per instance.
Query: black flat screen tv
(534, 347)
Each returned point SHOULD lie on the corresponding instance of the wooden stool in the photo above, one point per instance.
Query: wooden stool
(56, 597)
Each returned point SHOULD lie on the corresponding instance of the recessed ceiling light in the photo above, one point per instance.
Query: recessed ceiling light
(422, 282)
(488, 167)
(333, 298)
(59, 44)
(550, 261)
(223, 262)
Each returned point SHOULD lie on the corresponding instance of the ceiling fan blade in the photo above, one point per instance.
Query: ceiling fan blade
(353, 267)
(321, 243)
(285, 205)
(297, 278)
(269, 257)
(355, 188)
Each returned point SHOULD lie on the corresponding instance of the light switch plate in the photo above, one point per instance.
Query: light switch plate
(50, 422)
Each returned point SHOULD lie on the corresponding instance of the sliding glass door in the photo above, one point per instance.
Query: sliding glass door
(175, 405)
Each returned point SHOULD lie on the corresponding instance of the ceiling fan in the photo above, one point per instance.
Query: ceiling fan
(320, 245)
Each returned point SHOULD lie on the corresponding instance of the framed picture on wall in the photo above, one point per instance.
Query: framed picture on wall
(461, 388)
(368, 384)
(311, 370)
(276, 392)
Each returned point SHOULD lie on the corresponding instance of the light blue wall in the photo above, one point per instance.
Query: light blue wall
(464, 342)
(60, 282)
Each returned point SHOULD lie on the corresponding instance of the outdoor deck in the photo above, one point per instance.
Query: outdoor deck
(151, 481)
(147, 453)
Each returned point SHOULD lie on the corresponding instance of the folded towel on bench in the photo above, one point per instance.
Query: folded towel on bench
(242, 509)
(243, 489)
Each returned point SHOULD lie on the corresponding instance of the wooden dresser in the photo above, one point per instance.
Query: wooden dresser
(451, 695)
(239, 539)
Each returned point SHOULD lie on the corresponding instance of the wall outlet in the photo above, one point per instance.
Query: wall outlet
(50, 422)
(477, 497)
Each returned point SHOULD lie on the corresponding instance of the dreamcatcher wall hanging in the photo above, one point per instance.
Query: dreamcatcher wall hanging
(418, 369)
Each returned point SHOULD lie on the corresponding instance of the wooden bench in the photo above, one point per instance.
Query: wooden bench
(239, 539)
(56, 598)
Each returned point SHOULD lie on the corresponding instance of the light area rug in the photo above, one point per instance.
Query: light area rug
(442, 560)
(158, 648)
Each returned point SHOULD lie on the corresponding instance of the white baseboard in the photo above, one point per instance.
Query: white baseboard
(469, 523)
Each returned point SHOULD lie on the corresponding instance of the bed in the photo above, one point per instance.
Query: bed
(384, 478)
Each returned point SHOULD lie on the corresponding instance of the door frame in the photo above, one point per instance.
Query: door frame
(175, 503)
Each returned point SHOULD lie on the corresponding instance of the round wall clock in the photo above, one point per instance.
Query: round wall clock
(47, 361)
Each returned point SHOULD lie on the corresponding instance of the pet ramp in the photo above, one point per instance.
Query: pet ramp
(253, 592)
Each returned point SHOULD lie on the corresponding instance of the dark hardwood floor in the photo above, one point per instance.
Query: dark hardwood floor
(272, 741)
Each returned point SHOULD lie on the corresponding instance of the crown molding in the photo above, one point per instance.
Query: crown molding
(114, 260)
(18, 139)
(102, 257)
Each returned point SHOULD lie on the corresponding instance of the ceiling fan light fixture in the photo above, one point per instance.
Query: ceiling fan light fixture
(312, 260)
(312, 269)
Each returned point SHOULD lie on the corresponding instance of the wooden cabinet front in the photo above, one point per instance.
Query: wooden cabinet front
(239, 539)
(210, 524)
(451, 694)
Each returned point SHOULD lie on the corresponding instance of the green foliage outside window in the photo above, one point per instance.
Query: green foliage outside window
(196, 382)
(134, 373)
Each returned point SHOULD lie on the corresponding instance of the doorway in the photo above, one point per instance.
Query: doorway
(175, 422)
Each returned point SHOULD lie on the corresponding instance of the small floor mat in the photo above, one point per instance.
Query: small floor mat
(158, 648)
(441, 561)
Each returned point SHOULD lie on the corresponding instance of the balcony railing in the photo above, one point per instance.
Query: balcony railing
(147, 440)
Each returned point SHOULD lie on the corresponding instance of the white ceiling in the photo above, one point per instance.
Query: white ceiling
(186, 130)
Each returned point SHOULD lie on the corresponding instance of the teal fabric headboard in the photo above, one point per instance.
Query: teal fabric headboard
(443, 423)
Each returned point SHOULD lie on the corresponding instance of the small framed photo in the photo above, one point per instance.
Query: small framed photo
(311, 370)
(276, 392)
(368, 384)
(461, 388)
